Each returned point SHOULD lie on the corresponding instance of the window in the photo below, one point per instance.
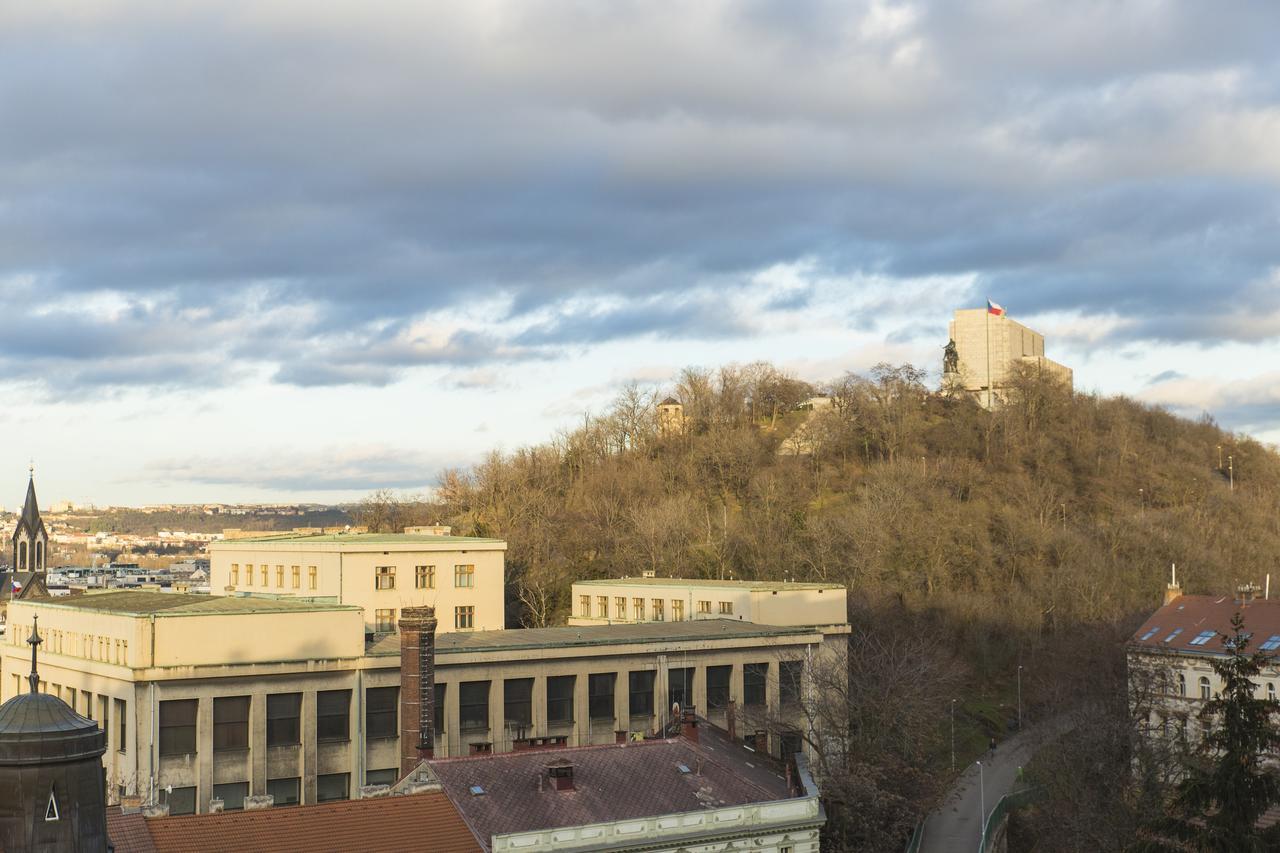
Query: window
(232, 795)
(1170, 638)
(718, 686)
(790, 673)
(384, 621)
(473, 706)
(755, 678)
(1204, 687)
(381, 711)
(704, 606)
(384, 577)
(1150, 634)
(122, 726)
(279, 577)
(235, 574)
(600, 686)
(284, 791)
(181, 801)
(464, 576)
(640, 700)
(602, 606)
(311, 577)
(248, 575)
(283, 719)
(333, 715)
(657, 609)
(424, 577)
(1271, 691)
(1202, 638)
(677, 610)
(296, 576)
(1182, 685)
(441, 695)
(264, 576)
(560, 699)
(726, 608)
(178, 727)
(1272, 643)
(230, 722)
(464, 617)
(619, 607)
(584, 605)
(332, 786)
(517, 701)
(381, 777)
(637, 607)
(680, 686)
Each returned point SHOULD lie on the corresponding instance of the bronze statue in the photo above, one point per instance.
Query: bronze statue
(950, 358)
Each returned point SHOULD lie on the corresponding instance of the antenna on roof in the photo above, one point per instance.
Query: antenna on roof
(35, 642)
(1173, 579)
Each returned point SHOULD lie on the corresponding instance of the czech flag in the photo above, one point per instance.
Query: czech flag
(993, 308)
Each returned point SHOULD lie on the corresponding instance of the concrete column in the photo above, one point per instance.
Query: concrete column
(497, 727)
(661, 694)
(204, 750)
(452, 720)
(700, 689)
(258, 744)
(539, 716)
(622, 700)
(308, 737)
(581, 711)
(773, 702)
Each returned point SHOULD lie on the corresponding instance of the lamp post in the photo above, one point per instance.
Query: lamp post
(982, 802)
(1231, 473)
(1142, 502)
(953, 735)
(1019, 697)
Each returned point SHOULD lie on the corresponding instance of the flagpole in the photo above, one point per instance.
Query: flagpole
(988, 355)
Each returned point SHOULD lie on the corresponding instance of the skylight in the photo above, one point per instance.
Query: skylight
(476, 791)
(1176, 632)
(1150, 634)
(683, 768)
(1202, 638)
(1272, 643)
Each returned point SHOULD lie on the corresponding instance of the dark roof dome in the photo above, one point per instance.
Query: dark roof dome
(36, 728)
(670, 401)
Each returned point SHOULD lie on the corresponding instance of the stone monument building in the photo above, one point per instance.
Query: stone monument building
(986, 350)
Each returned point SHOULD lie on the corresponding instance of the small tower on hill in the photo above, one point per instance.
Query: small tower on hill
(670, 417)
(30, 539)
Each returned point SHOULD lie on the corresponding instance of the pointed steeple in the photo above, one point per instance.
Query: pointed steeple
(30, 507)
(30, 539)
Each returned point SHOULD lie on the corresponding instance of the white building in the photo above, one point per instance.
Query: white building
(655, 599)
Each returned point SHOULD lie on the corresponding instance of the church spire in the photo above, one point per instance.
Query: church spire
(35, 641)
(30, 539)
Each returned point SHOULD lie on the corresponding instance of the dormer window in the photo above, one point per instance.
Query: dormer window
(51, 810)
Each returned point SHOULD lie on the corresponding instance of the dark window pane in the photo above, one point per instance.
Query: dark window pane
(560, 699)
(285, 791)
(600, 687)
(718, 686)
(517, 700)
(789, 672)
(232, 795)
(381, 777)
(441, 695)
(178, 728)
(755, 678)
(284, 712)
(641, 693)
(381, 715)
(473, 705)
(333, 715)
(230, 722)
(680, 683)
(332, 786)
(181, 800)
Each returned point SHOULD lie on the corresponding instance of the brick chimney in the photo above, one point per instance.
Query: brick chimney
(1172, 592)
(689, 724)
(417, 686)
(561, 775)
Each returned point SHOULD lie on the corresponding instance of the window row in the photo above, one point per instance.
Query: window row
(384, 620)
(89, 646)
(424, 577)
(656, 608)
(98, 708)
(1205, 688)
(295, 576)
(285, 792)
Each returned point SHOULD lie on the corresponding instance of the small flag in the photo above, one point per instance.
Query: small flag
(993, 308)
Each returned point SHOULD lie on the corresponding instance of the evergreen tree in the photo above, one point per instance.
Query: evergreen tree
(1226, 788)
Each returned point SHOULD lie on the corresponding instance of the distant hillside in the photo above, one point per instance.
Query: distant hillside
(148, 523)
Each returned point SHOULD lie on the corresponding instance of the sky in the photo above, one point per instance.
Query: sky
(279, 251)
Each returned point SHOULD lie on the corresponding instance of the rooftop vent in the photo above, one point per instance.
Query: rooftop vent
(561, 775)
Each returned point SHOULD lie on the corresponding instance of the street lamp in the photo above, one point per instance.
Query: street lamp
(982, 802)
(1219, 457)
(1142, 502)
(1231, 473)
(1019, 698)
(953, 735)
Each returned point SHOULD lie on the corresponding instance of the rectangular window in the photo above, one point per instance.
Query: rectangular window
(230, 722)
(232, 795)
(1272, 643)
(619, 607)
(600, 687)
(584, 605)
(381, 711)
(296, 576)
(381, 777)
(235, 574)
(560, 698)
(658, 615)
(248, 574)
(181, 800)
(284, 714)
(178, 726)
(602, 606)
(333, 715)
(718, 686)
(384, 577)
(726, 608)
(464, 617)
(264, 576)
(637, 608)
(517, 701)
(789, 674)
(704, 606)
(1202, 638)
(464, 576)
(384, 621)
(284, 791)
(122, 726)
(677, 610)
(311, 577)
(425, 577)
(755, 680)
(680, 686)
(441, 695)
(279, 577)
(332, 786)
(473, 706)
(641, 690)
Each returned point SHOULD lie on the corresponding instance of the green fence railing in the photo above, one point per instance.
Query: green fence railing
(1000, 813)
(917, 837)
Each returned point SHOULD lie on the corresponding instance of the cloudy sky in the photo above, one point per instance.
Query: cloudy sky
(280, 250)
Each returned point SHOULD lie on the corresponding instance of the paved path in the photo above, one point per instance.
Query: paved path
(956, 826)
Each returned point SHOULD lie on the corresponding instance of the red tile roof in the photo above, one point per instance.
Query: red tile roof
(1192, 615)
(413, 822)
(611, 782)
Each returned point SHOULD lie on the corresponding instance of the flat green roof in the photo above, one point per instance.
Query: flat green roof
(141, 603)
(513, 639)
(709, 583)
(361, 539)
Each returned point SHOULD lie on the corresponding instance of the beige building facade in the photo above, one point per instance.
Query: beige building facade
(656, 599)
(990, 348)
(461, 577)
(206, 697)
